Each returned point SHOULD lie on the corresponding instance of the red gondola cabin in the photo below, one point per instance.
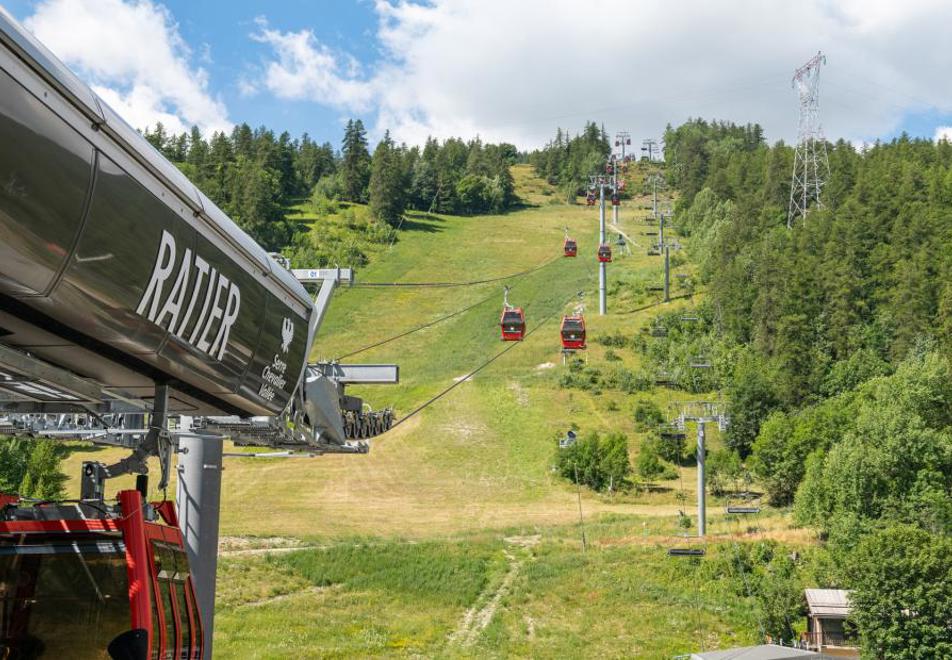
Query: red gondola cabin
(91, 580)
(573, 332)
(513, 324)
(616, 200)
(570, 247)
(605, 253)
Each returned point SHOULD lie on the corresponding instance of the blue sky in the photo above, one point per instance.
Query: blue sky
(225, 27)
(218, 34)
(505, 70)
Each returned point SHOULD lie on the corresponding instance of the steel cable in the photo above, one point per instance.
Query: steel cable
(475, 371)
(418, 328)
(456, 284)
(442, 318)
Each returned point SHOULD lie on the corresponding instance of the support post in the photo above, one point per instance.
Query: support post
(199, 496)
(601, 240)
(701, 501)
(667, 274)
(661, 233)
(654, 181)
(615, 185)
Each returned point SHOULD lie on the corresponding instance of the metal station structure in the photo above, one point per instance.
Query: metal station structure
(135, 313)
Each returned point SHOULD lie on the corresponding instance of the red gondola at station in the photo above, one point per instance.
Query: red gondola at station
(573, 332)
(83, 579)
(605, 253)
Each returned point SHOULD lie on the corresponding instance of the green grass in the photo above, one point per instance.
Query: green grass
(395, 598)
(433, 500)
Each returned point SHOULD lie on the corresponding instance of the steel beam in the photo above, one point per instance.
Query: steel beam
(363, 374)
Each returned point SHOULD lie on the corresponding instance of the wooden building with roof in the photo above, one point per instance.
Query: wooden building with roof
(827, 630)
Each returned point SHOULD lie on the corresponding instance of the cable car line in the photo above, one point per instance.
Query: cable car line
(455, 284)
(418, 328)
(475, 371)
(440, 319)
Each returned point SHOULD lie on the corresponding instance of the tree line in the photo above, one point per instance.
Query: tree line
(831, 341)
(567, 161)
(255, 175)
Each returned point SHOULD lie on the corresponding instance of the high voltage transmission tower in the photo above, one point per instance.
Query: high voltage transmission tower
(811, 167)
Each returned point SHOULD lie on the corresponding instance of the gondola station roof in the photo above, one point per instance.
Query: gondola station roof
(762, 652)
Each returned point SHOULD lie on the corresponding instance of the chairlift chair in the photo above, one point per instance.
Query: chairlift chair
(673, 435)
(685, 552)
(745, 510)
(572, 332)
(653, 252)
(604, 253)
(700, 362)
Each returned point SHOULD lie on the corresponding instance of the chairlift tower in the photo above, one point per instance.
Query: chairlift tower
(651, 146)
(811, 166)
(656, 180)
(622, 139)
(702, 413)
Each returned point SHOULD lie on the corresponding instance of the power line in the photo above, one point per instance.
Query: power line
(456, 284)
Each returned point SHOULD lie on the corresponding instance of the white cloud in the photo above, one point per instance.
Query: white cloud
(943, 133)
(132, 53)
(515, 70)
(306, 69)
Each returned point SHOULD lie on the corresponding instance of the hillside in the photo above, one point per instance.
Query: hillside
(467, 483)
(480, 456)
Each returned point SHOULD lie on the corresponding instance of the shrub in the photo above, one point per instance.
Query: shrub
(647, 414)
(595, 461)
(616, 340)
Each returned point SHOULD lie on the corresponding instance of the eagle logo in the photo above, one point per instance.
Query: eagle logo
(287, 334)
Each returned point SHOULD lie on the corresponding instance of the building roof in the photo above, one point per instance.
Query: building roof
(763, 652)
(829, 603)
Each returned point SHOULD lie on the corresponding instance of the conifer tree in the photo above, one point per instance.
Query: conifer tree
(388, 186)
(355, 162)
